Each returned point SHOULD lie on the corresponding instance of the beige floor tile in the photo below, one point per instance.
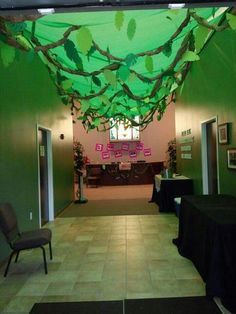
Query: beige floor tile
(102, 258)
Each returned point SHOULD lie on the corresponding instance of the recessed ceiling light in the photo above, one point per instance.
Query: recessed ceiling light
(176, 5)
(46, 11)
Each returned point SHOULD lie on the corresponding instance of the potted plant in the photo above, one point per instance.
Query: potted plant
(79, 162)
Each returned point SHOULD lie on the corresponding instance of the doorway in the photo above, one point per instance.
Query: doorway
(210, 172)
(45, 184)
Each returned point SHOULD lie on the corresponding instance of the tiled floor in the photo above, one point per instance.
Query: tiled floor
(103, 258)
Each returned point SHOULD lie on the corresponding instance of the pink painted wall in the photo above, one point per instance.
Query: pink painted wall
(155, 136)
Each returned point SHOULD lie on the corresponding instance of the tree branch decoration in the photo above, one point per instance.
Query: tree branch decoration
(99, 83)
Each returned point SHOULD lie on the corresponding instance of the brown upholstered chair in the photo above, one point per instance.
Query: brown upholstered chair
(22, 241)
(94, 176)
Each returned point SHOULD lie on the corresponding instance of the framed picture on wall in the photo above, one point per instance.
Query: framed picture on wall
(231, 158)
(223, 135)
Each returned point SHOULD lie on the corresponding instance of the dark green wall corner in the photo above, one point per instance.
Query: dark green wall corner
(28, 97)
(208, 91)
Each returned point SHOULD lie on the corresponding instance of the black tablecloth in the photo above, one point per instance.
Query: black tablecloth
(207, 236)
(169, 189)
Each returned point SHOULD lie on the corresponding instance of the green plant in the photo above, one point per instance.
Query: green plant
(171, 152)
(78, 157)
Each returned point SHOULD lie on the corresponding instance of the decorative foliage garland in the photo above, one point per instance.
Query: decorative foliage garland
(111, 94)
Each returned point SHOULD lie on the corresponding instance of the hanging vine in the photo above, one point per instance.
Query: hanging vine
(111, 94)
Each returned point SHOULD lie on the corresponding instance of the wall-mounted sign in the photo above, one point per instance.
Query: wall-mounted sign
(118, 153)
(132, 154)
(139, 146)
(147, 152)
(186, 140)
(186, 156)
(105, 155)
(110, 147)
(99, 147)
(125, 146)
(186, 148)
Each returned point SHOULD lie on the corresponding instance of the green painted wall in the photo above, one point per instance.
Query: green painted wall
(28, 97)
(209, 90)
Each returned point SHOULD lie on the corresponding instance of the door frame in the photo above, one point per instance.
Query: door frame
(204, 123)
(49, 174)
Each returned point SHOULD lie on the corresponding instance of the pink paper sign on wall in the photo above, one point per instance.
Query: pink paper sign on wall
(105, 155)
(125, 146)
(118, 153)
(110, 147)
(139, 146)
(132, 154)
(99, 147)
(147, 152)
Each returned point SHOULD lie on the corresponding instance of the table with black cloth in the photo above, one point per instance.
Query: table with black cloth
(169, 189)
(207, 236)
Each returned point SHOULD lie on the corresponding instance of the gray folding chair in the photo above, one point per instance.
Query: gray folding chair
(20, 241)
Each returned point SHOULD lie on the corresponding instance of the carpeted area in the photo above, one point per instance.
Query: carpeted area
(111, 208)
(186, 305)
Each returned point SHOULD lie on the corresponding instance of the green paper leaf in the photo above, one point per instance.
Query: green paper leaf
(104, 99)
(113, 108)
(121, 93)
(132, 77)
(7, 54)
(97, 122)
(71, 52)
(131, 29)
(149, 63)
(231, 20)
(65, 100)
(119, 19)
(96, 81)
(67, 84)
(190, 56)
(110, 77)
(85, 105)
(167, 49)
(163, 91)
(200, 37)
(130, 59)
(16, 27)
(23, 42)
(123, 73)
(84, 39)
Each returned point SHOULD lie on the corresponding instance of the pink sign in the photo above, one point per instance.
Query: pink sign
(118, 153)
(147, 152)
(105, 155)
(139, 146)
(99, 147)
(110, 147)
(132, 154)
(125, 146)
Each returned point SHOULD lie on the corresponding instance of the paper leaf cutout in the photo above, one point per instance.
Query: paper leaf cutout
(130, 59)
(110, 77)
(123, 73)
(200, 37)
(23, 42)
(67, 84)
(96, 81)
(190, 56)
(131, 29)
(84, 40)
(105, 99)
(149, 63)
(72, 54)
(97, 122)
(7, 54)
(85, 105)
(119, 19)
(231, 20)
(167, 49)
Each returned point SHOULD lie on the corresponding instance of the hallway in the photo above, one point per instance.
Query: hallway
(102, 258)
